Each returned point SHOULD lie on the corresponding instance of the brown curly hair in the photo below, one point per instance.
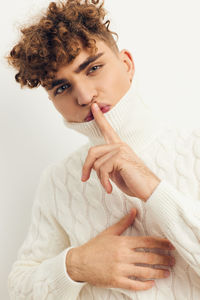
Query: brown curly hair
(55, 40)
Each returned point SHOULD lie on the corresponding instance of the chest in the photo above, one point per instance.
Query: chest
(86, 209)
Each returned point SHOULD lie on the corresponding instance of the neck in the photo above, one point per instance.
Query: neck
(132, 119)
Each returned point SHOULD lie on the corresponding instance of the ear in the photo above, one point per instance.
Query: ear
(128, 62)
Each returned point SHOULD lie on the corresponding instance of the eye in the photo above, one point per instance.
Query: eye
(61, 89)
(95, 68)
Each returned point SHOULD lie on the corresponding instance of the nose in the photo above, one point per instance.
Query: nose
(84, 93)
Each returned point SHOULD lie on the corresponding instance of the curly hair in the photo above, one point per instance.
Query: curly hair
(54, 40)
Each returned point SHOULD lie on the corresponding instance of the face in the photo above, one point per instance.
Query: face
(103, 78)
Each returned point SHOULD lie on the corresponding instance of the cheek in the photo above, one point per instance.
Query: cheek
(68, 109)
(63, 107)
(115, 82)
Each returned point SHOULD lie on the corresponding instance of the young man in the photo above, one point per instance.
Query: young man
(82, 243)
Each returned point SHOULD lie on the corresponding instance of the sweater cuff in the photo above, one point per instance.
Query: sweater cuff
(65, 286)
(66, 272)
(166, 204)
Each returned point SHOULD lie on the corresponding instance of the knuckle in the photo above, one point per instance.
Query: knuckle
(122, 147)
(96, 165)
(126, 240)
(122, 144)
(114, 270)
(131, 287)
(147, 241)
(122, 252)
(102, 169)
(91, 152)
(123, 242)
(119, 269)
(114, 281)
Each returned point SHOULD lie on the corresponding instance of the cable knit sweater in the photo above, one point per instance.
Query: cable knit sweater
(67, 212)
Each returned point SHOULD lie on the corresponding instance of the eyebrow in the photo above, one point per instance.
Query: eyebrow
(80, 68)
(88, 61)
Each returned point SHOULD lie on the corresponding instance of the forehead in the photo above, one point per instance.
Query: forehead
(102, 47)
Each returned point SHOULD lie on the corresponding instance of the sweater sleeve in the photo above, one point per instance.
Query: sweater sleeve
(178, 217)
(40, 270)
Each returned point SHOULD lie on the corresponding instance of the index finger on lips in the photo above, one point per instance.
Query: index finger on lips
(107, 131)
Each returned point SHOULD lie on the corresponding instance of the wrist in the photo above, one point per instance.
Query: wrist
(154, 184)
(73, 265)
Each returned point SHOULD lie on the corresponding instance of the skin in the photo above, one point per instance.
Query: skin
(117, 161)
(93, 84)
(110, 259)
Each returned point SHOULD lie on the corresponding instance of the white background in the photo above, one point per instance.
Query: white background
(164, 39)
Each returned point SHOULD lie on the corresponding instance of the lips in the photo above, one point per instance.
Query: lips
(104, 108)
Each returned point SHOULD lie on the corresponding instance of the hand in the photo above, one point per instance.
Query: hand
(118, 162)
(110, 260)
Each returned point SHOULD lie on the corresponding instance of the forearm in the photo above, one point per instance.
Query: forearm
(40, 270)
(47, 280)
(177, 216)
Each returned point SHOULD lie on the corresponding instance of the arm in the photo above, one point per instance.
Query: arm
(178, 217)
(40, 269)
(175, 213)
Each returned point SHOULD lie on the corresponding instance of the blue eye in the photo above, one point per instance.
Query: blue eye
(95, 68)
(62, 88)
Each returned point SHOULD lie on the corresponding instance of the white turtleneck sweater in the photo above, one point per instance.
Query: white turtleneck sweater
(68, 213)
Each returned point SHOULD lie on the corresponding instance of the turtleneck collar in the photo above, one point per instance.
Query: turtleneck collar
(135, 123)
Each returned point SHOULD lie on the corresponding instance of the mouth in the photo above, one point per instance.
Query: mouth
(104, 108)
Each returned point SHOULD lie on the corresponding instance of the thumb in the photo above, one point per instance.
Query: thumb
(123, 224)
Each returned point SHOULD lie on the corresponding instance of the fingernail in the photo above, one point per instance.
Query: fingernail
(95, 106)
(83, 177)
(166, 273)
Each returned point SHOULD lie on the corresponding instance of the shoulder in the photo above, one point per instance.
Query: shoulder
(184, 140)
(196, 143)
(187, 153)
(177, 147)
(187, 141)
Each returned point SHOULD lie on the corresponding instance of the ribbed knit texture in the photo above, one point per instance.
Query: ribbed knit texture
(132, 119)
(67, 212)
